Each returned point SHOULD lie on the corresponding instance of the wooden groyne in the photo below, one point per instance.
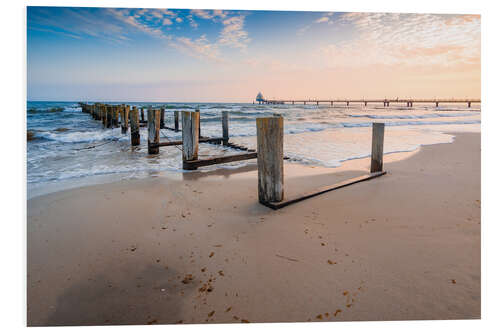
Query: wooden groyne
(269, 154)
(386, 102)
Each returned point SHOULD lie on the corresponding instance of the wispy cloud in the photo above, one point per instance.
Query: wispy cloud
(326, 18)
(209, 14)
(233, 34)
(120, 25)
(387, 38)
(76, 23)
(199, 48)
(322, 19)
(303, 30)
(62, 33)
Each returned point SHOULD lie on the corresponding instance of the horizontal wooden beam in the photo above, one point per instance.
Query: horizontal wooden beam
(321, 190)
(179, 142)
(193, 165)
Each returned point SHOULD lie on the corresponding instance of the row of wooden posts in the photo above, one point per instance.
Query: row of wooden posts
(269, 152)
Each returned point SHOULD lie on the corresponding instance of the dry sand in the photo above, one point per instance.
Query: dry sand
(199, 248)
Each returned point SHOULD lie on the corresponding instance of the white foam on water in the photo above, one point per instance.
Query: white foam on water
(314, 135)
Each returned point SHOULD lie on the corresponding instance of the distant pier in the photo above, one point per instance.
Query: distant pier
(386, 102)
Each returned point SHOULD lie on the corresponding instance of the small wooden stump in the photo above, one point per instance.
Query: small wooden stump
(377, 147)
(135, 137)
(162, 118)
(270, 159)
(176, 120)
(190, 137)
(225, 127)
(153, 131)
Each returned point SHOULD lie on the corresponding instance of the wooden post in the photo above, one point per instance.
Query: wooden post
(142, 114)
(124, 111)
(97, 111)
(199, 122)
(115, 116)
(270, 158)
(126, 117)
(377, 147)
(122, 119)
(162, 118)
(225, 127)
(153, 131)
(109, 116)
(135, 137)
(176, 119)
(103, 115)
(190, 137)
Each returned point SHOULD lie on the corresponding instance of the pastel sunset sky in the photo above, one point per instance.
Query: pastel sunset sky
(120, 54)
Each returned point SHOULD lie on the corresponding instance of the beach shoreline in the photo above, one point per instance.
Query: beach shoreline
(198, 247)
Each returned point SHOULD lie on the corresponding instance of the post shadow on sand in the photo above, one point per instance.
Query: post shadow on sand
(218, 172)
(144, 298)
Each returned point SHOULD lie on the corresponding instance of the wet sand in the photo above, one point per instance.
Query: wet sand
(199, 248)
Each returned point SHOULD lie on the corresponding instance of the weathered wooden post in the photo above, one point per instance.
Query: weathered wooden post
(135, 137)
(270, 158)
(103, 115)
(122, 120)
(199, 122)
(116, 116)
(225, 127)
(162, 118)
(377, 147)
(153, 131)
(109, 116)
(142, 114)
(190, 137)
(97, 111)
(176, 120)
(127, 117)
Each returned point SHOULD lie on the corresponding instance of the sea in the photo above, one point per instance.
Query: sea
(70, 149)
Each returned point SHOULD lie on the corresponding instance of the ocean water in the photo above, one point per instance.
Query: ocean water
(70, 146)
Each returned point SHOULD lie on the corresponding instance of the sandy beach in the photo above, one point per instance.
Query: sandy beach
(198, 247)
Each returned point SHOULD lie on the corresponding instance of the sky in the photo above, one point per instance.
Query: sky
(189, 55)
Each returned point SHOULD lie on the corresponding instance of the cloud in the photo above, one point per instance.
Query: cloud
(199, 48)
(413, 39)
(302, 30)
(62, 33)
(322, 19)
(233, 33)
(192, 22)
(76, 23)
(209, 15)
(124, 24)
